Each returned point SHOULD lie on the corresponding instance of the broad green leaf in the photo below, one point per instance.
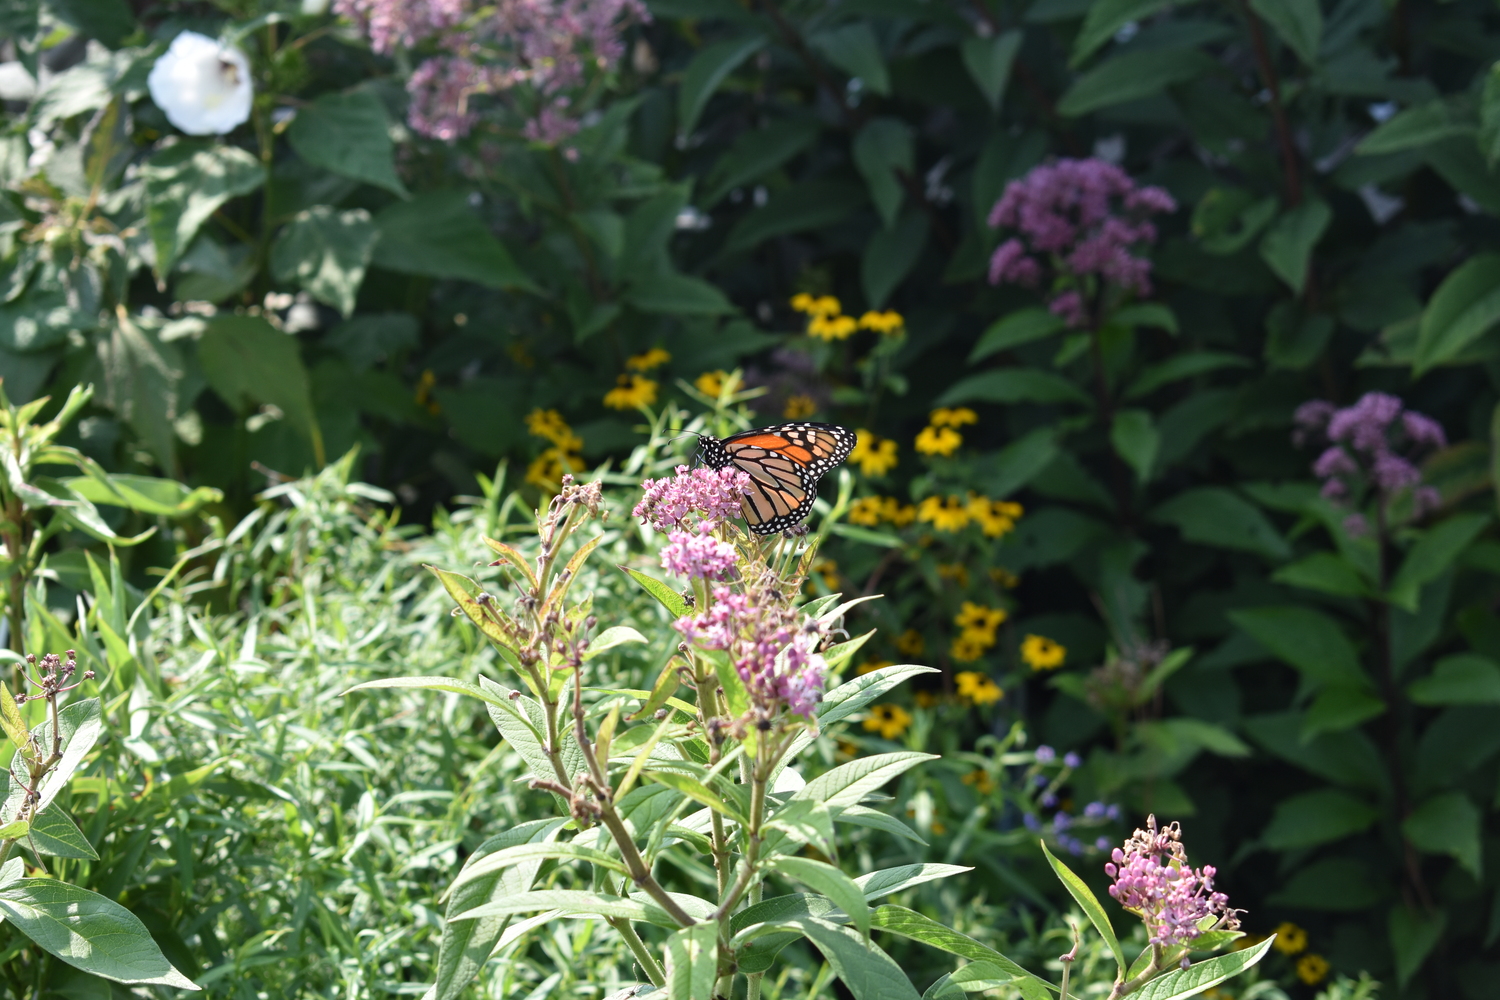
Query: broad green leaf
(889, 880)
(1320, 817)
(1447, 824)
(1295, 338)
(867, 970)
(1104, 19)
(11, 720)
(615, 635)
(88, 931)
(438, 233)
(1328, 572)
(1464, 307)
(1413, 934)
(989, 62)
(809, 205)
(807, 822)
(854, 49)
(467, 944)
(1180, 366)
(1298, 22)
(1338, 707)
(147, 494)
(1132, 76)
(1215, 516)
(874, 819)
(884, 149)
(326, 252)
(697, 791)
(911, 924)
(693, 962)
(1432, 556)
(1019, 462)
(1136, 440)
(1288, 245)
(1008, 386)
(978, 976)
(249, 363)
(1461, 679)
(1089, 904)
(1489, 117)
(80, 724)
(465, 593)
(853, 695)
(1201, 976)
(349, 134)
(1340, 884)
(507, 857)
(451, 684)
(706, 72)
(1157, 315)
(677, 295)
(944, 989)
(570, 903)
(1308, 639)
(185, 184)
(757, 152)
(829, 881)
(890, 254)
(1016, 329)
(848, 783)
(1414, 128)
(54, 833)
(674, 602)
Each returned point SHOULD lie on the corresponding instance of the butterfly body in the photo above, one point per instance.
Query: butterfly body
(784, 462)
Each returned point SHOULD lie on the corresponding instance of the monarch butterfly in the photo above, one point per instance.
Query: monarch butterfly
(785, 462)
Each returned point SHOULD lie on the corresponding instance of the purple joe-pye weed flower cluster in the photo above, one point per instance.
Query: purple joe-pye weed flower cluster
(539, 48)
(1081, 219)
(1370, 445)
(1152, 879)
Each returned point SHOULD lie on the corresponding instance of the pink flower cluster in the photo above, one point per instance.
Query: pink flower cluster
(1366, 442)
(698, 555)
(1080, 218)
(712, 494)
(534, 50)
(1153, 880)
(775, 654)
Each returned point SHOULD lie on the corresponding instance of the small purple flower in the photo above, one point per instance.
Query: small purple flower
(698, 555)
(1371, 449)
(1355, 526)
(1113, 812)
(1071, 759)
(1094, 810)
(1041, 781)
(1073, 844)
(1082, 219)
(1102, 843)
(1062, 821)
(1048, 800)
(713, 495)
(1032, 823)
(1152, 879)
(1045, 754)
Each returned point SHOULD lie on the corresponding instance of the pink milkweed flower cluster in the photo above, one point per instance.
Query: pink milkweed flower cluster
(1153, 880)
(698, 555)
(543, 48)
(1082, 220)
(1370, 444)
(773, 650)
(713, 495)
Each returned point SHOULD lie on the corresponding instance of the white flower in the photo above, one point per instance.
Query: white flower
(313, 8)
(203, 87)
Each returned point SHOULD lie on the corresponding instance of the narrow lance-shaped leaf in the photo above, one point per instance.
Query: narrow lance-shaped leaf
(1089, 904)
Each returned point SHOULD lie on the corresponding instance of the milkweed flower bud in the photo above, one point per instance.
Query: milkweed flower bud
(203, 86)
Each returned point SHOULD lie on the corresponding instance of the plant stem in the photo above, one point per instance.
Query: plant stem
(649, 964)
(1278, 113)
